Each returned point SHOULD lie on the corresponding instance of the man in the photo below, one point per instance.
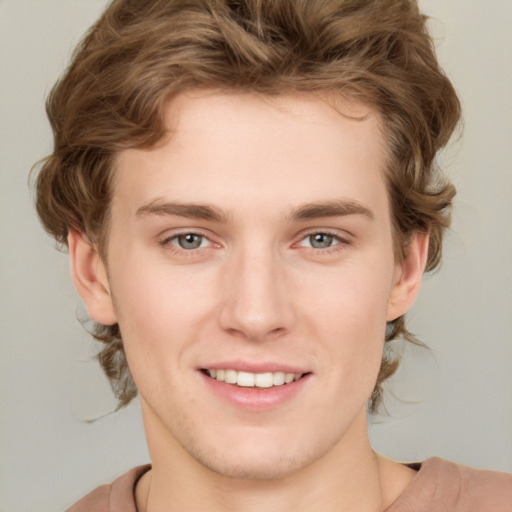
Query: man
(248, 195)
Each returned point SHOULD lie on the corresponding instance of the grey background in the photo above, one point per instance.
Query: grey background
(456, 399)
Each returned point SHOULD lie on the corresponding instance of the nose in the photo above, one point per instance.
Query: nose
(256, 302)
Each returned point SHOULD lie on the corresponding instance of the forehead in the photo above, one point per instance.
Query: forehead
(282, 150)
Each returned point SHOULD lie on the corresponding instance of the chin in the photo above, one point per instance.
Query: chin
(253, 460)
(272, 468)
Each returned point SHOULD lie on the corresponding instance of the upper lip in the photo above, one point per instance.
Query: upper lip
(254, 367)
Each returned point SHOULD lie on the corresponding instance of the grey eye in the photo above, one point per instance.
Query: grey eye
(190, 241)
(321, 240)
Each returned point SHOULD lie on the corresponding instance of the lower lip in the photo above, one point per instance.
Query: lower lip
(256, 399)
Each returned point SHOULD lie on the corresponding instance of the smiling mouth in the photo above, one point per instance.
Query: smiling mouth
(253, 380)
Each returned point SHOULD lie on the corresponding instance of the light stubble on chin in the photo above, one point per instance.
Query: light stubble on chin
(258, 468)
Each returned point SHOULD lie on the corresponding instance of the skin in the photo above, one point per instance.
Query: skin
(260, 289)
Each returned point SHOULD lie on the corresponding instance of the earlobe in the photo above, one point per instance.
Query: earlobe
(408, 277)
(90, 278)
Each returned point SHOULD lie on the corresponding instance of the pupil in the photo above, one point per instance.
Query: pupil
(321, 240)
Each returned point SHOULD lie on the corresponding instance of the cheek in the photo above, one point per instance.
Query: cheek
(350, 319)
(155, 294)
(161, 310)
(354, 300)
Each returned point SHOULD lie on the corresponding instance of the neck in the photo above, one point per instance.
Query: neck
(349, 477)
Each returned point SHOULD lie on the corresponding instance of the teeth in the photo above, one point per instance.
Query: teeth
(278, 378)
(264, 380)
(245, 379)
(251, 380)
(230, 377)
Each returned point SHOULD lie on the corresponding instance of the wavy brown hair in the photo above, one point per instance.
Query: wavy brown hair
(141, 53)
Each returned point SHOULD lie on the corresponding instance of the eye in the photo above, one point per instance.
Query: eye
(189, 241)
(320, 241)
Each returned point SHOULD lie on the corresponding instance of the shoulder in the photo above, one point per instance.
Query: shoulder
(476, 488)
(115, 497)
(481, 489)
(448, 486)
(96, 501)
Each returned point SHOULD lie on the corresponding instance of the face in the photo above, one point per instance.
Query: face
(250, 268)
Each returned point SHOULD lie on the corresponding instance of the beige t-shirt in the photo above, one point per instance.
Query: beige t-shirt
(439, 486)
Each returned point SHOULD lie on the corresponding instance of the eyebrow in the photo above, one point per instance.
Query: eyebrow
(189, 210)
(309, 211)
(335, 208)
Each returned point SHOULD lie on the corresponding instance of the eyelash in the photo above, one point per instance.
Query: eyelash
(340, 244)
(168, 242)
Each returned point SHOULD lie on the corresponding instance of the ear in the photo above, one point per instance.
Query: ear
(90, 278)
(408, 277)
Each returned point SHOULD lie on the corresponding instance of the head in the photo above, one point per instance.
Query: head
(143, 54)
